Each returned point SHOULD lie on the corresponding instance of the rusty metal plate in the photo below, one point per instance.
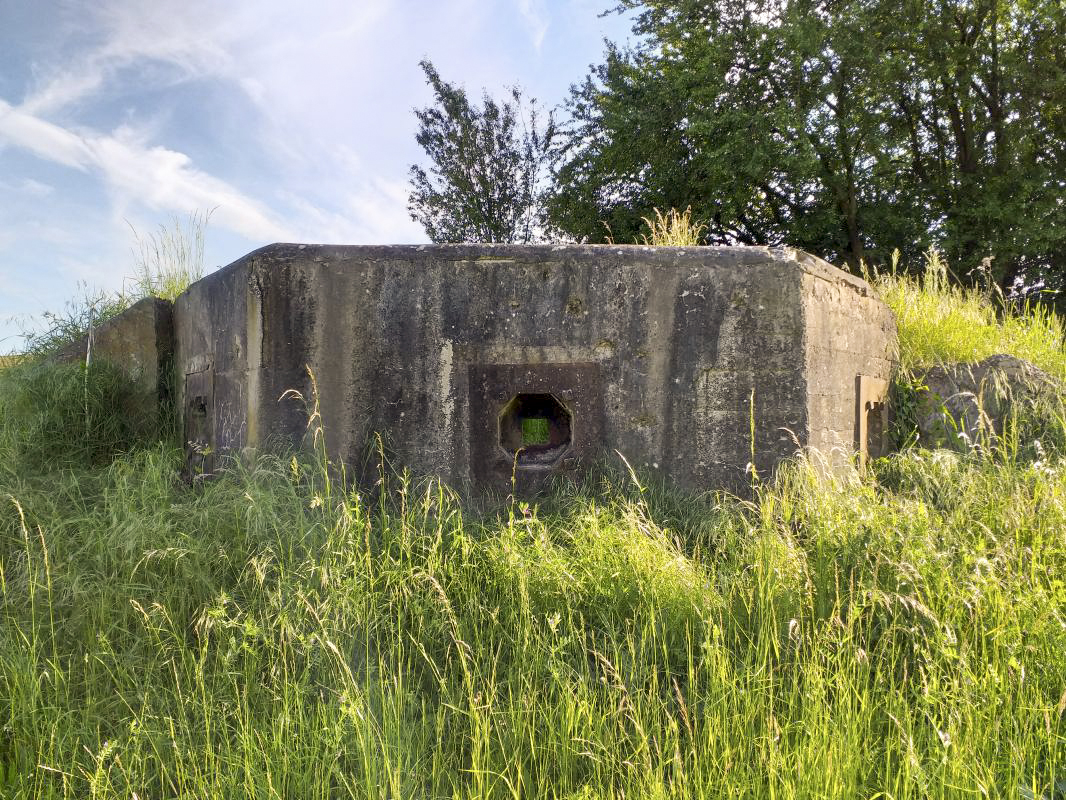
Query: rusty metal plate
(871, 418)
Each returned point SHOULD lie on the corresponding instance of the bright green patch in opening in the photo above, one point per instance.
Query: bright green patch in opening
(535, 431)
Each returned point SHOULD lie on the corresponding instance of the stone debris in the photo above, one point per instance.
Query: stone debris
(964, 405)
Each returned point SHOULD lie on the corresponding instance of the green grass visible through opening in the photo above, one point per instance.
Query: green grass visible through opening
(535, 430)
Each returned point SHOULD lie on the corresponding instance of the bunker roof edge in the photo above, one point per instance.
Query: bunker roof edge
(727, 256)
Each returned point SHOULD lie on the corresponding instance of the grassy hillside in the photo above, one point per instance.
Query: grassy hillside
(941, 322)
(275, 634)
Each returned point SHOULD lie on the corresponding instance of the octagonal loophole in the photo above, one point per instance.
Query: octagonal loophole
(535, 429)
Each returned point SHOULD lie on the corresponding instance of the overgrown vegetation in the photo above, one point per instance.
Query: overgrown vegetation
(844, 128)
(62, 328)
(166, 262)
(943, 321)
(672, 229)
(488, 169)
(63, 416)
(170, 258)
(276, 633)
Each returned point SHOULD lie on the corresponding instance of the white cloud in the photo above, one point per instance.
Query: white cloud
(131, 32)
(202, 39)
(43, 139)
(374, 212)
(35, 188)
(161, 178)
(536, 19)
(28, 187)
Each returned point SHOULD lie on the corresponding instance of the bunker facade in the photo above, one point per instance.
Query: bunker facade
(485, 364)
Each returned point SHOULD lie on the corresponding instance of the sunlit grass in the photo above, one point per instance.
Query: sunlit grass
(672, 229)
(171, 258)
(940, 322)
(275, 633)
(830, 640)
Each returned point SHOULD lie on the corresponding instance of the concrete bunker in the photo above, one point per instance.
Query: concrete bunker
(500, 366)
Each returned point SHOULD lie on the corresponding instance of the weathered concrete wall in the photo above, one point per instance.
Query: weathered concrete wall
(140, 340)
(215, 375)
(850, 333)
(449, 351)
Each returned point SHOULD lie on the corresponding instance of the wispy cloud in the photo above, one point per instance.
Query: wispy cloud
(536, 19)
(128, 33)
(370, 212)
(34, 188)
(26, 187)
(237, 43)
(159, 177)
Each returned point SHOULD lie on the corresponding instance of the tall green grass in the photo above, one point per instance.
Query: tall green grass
(941, 322)
(166, 262)
(275, 633)
(170, 258)
(63, 416)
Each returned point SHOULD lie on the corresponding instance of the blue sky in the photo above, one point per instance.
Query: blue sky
(293, 121)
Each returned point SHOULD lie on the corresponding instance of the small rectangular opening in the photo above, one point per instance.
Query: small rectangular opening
(875, 429)
(871, 417)
(535, 431)
(199, 422)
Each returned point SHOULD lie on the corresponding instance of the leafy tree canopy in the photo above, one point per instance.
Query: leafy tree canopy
(488, 166)
(845, 127)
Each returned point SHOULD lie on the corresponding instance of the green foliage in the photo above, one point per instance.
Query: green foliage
(66, 416)
(845, 129)
(170, 259)
(905, 400)
(488, 166)
(277, 633)
(535, 430)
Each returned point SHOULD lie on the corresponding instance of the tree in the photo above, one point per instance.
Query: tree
(978, 89)
(488, 170)
(845, 127)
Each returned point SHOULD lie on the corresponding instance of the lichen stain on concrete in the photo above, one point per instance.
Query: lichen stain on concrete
(575, 307)
(605, 349)
(643, 421)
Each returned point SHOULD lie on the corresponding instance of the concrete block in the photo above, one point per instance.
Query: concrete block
(140, 340)
(487, 363)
